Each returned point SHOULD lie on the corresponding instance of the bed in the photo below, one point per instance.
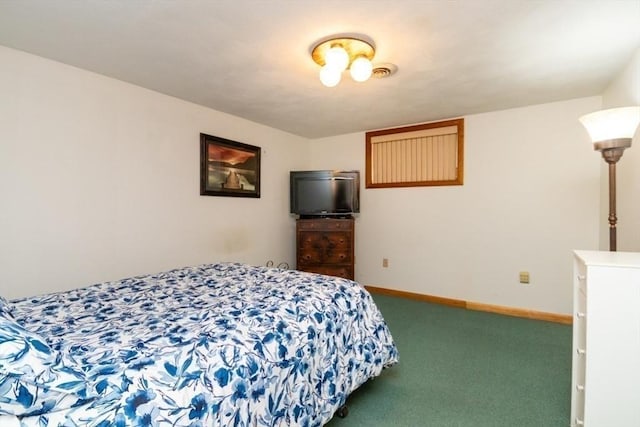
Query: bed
(215, 345)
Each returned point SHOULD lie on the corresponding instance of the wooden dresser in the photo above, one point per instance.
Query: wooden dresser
(606, 339)
(326, 246)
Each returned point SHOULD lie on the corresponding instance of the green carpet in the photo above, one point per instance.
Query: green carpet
(462, 368)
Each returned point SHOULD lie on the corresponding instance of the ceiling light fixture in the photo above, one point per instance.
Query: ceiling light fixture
(335, 55)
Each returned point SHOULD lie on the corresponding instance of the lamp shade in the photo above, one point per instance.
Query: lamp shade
(614, 123)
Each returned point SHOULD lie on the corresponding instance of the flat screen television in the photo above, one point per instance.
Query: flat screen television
(324, 193)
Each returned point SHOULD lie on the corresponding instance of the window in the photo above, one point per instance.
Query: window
(420, 155)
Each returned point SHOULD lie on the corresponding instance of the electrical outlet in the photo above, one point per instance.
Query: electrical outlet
(524, 277)
(385, 262)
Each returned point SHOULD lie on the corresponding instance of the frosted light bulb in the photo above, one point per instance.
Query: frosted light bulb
(613, 123)
(330, 76)
(337, 57)
(361, 69)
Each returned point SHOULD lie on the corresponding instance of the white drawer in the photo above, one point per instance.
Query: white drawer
(580, 330)
(578, 416)
(580, 307)
(581, 278)
(578, 391)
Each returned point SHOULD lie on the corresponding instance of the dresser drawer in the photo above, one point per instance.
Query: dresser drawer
(578, 392)
(325, 225)
(580, 316)
(326, 239)
(314, 256)
(324, 247)
(345, 272)
(581, 278)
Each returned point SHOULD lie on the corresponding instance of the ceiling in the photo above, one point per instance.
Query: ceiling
(251, 58)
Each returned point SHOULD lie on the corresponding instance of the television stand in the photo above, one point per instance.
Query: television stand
(326, 246)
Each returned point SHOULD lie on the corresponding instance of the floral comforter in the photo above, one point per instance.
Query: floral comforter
(215, 345)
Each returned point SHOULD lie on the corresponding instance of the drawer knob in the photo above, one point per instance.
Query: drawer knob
(579, 422)
(580, 387)
(581, 351)
(580, 315)
(581, 277)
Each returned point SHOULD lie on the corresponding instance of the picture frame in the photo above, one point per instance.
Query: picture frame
(228, 168)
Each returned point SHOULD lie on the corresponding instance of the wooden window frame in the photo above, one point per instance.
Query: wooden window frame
(459, 123)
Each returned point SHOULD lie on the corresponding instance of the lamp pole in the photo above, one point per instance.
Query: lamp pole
(612, 151)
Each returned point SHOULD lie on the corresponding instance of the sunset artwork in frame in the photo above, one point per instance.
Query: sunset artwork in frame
(228, 168)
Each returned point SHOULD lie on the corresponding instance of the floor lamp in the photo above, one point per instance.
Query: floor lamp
(611, 132)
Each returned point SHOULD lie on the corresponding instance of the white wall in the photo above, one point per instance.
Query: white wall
(99, 180)
(624, 91)
(531, 196)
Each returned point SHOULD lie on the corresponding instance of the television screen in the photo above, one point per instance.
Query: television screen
(320, 193)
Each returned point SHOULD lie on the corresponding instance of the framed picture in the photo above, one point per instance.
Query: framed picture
(228, 168)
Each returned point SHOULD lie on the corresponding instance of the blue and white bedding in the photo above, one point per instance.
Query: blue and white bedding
(214, 345)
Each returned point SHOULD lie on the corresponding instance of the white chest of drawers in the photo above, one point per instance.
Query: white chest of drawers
(606, 340)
